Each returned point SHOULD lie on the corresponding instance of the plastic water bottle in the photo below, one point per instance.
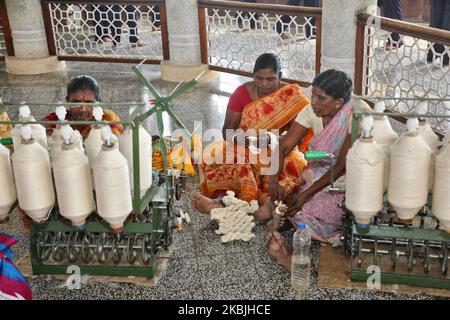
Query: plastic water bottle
(301, 259)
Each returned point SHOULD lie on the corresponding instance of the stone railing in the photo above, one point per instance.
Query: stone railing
(234, 34)
(92, 30)
(403, 60)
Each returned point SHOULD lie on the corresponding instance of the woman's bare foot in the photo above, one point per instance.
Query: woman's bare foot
(265, 212)
(277, 223)
(204, 204)
(277, 249)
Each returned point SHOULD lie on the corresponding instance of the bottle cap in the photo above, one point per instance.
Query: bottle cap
(301, 226)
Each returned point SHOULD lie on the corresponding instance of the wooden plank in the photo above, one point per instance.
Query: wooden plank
(203, 35)
(106, 59)
(133, 2)
(6, 30)
(164, 32)
(318, 44)
(261, 7)
(409, 29)
(359, 57)
(250, 75)
(48, 24)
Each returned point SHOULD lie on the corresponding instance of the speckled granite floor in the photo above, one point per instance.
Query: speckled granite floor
(201, 267)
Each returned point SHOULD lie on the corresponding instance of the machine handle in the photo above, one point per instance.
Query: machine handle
(317, 155)
(6, 141)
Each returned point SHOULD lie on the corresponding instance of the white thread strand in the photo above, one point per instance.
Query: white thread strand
(235, 223)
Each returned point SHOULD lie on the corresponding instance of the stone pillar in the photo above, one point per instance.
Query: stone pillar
(29, 39)
(339, 19)
(184, 42)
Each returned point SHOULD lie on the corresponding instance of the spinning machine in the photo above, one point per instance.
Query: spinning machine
(115, 226)
(404, 231)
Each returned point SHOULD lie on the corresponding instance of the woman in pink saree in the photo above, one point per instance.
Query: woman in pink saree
(329, 114)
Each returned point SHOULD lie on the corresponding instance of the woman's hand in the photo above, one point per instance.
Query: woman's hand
(276, 192)
(262, 141)
(296, 204)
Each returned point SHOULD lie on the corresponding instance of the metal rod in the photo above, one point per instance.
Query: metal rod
(399, 98)
(141, 63)
(89, 104)
(384, 241)
(136, 171)
(79, 122)
(395, 114)
(398, 253)
(146, 83)
(178, 85)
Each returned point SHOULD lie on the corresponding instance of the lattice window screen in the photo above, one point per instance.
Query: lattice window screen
(118, 31)
(405, 72)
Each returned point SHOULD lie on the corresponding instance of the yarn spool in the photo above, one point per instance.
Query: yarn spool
(408, 174)
(441, 188)
(145, 156)
(364, 177)
(430, 138)
(8, 194)
(384, 136)
(38, 131)
(73, 181)
(31, 167)
(112, 180)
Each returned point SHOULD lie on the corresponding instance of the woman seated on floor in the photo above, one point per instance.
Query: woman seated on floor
(330, 115)
(264, 103)
(85, 89)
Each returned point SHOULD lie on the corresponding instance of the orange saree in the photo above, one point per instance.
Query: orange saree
(242, 176)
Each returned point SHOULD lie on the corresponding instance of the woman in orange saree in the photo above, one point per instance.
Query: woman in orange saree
(263, 104)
